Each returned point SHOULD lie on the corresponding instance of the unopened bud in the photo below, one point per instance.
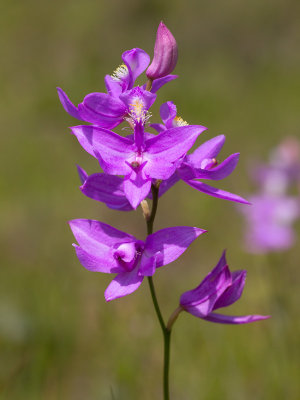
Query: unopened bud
(165, 54)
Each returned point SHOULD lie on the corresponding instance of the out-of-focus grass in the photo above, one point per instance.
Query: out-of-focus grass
(239, 75)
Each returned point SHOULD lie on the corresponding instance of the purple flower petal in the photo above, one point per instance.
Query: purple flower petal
(174, 142)
(186, 172)
(106, 122)
(158, 83)
(148, 264)
(82, 174)
(95, 237)
(67, 104)
(220, 288)
(113, 86)
(102, 105)
(230, 319)
(136, 187)
(209, 149)
(234, 291)
(167, 147)
(108, 189)
(158, 168)
(123, 284)
(221, 171)
(191, 297)
(137, 61)
(103, 262)
(221, 194)
(168, 112)
(114, 150)
(170, 243)
(201, 300)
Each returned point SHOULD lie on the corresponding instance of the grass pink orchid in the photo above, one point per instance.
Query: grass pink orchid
(103, 248)
(139, 161)
(219, 289)
(107, 109)
(145, 165)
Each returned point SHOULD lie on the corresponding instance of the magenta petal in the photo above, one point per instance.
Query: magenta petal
(136, 187)
(234, 291)
(163, 150)
(192, 297)
(97, 119)
(158, 168)
(148, 264)
(173, 143)
(222, 263)
(230, 319)
(82, 174)
(95, 237)
(209, 149)
(186, 171)
(108, 189)
(113, 86)
(103, 104)
(220, 288)
(137, 61)
(123, 284)
(103, 262)
(200, 301)
(168, 112)
(170, 243)
(221, 171)
(221, 194)
(113, 149)
(158, 83)
(67, 104)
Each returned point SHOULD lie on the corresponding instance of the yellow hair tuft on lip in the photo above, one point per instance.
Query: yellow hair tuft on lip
(178, 121)
(120, 73)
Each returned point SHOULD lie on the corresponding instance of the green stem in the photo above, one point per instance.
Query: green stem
(155, 303)
(150, 219)
(165, 330)
(167, 340)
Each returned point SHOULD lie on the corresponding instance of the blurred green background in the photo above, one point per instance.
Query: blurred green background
(238, 65)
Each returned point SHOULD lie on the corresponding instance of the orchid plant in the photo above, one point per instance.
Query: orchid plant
(141, 167)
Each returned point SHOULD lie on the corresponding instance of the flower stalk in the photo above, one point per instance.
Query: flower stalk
(165, 329)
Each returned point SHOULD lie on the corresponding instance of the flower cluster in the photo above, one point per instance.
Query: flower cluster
(275, 207)
(133, 165)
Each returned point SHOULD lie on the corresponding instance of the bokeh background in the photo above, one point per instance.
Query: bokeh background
(238, 65)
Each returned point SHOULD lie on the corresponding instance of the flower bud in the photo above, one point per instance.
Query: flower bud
(165, 54)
